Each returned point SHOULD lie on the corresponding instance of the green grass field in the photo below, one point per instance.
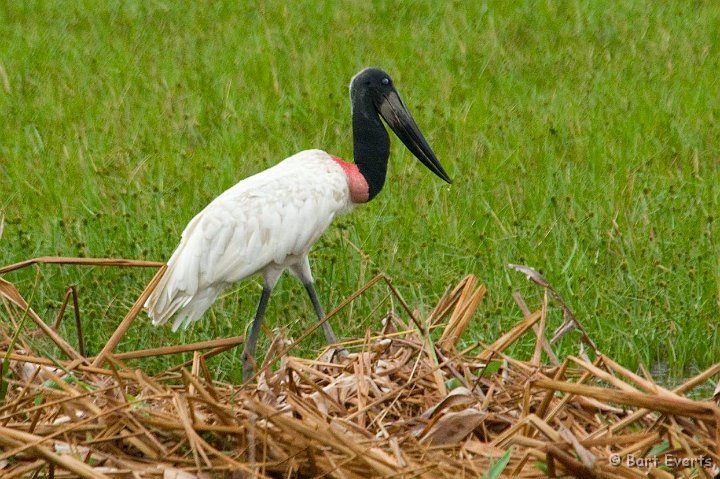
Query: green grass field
(583, 138)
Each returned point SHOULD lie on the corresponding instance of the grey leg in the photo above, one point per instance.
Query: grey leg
(302, 271)
(248, 354)
(327, 329)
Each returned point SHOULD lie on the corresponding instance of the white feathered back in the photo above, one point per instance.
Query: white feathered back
(269, 220)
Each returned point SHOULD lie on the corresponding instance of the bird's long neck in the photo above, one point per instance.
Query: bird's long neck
(371, 146)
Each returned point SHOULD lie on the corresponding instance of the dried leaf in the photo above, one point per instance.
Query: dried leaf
(453, 427)
(460, 396)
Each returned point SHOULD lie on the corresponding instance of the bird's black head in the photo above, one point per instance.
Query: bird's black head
(373, 93)
(370, 84)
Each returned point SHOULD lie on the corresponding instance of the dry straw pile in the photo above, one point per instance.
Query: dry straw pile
(407, 401)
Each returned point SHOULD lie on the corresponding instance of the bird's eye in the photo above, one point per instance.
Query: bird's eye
(385, 81)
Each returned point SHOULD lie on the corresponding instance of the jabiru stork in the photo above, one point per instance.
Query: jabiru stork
(268, 222)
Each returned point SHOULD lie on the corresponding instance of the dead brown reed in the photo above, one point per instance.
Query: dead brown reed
(414, 398)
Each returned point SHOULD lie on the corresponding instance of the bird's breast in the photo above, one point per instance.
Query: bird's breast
(357, 184)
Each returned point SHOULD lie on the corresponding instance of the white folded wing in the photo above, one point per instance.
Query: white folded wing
(269, 220)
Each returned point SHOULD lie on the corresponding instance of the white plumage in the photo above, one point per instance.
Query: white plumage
(264, 224)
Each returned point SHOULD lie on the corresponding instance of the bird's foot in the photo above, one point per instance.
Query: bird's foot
(339, 352)
(248, 365)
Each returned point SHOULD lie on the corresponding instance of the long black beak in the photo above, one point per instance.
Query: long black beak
(397, 116)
